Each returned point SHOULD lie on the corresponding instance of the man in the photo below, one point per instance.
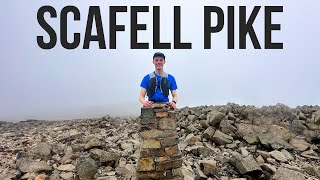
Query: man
(157, 84)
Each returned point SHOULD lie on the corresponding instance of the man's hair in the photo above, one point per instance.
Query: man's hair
(159, 54)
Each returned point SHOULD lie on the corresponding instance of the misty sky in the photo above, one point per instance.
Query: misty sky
(36, 81)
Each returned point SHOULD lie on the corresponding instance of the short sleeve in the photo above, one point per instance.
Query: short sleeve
(173, 84)
(144, 82)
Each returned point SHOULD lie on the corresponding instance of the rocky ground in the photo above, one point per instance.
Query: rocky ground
(218, 142)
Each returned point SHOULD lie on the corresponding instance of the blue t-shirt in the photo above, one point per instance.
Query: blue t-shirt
(158, 96)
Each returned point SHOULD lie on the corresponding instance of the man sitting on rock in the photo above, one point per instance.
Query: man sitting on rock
(157, 84)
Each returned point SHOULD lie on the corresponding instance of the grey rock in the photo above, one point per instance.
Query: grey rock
(310, 154)
(104, 156)
(66, 175)
(208, 133)
(299, 144)
(268, 167)
(244, 152)
(301, 116)
(86, 168)
(311, 170)
(191, 128)
(214, 117)
(220, 138)
(231, 116)
(317, 117)
(278, 156)
(285, 174)
(251, 139)
(227, 126)
(208, 167)
(27, 165)
(287, 154)
(43, 149)
(204, 123)
(93, 143)
(248, 165)
(66, 167)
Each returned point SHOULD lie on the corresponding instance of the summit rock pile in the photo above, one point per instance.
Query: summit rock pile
(217, 142)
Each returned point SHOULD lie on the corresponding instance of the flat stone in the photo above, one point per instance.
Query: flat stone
(66, 167)
(248, 165)
(264, 154)
(147, 112)
(167, 124)
(145, 121)
(278, 156)
(152, 152)
(146, 164)
(151, 143)
(161, 114)
(299, 144)
(221, 139)
(310, 154)
(208, 167)
(232, 146)
(271, 161)
(173, 150)
(155, 133)
(32, 166)
(287, 154)
(251, 139)
(165, 165)
(286, 174)
(66, 175)
(295, 168)
(169, 141)
(266, 140)
(227, 126)
(93, 143)
(268, 167)
(151, 175)
(280, 132)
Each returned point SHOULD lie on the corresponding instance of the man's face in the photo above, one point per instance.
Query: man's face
(159, 62)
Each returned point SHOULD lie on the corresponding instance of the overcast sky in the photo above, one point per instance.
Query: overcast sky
(36, 82)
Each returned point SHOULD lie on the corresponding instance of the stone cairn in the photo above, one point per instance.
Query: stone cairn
(160, 157)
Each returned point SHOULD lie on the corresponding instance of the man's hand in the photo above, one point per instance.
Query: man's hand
(173, 104)
(147, 104)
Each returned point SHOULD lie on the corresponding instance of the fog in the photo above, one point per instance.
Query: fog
(62, 84)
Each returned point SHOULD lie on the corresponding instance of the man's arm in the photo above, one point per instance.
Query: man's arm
(174, 95)
(174, 98)
(142, 96)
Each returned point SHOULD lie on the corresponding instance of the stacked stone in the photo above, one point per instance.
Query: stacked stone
(160, 157)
